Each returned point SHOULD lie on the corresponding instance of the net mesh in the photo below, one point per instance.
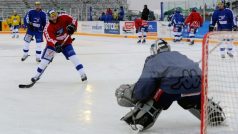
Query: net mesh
(220, 82)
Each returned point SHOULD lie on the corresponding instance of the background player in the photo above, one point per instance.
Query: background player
(194, 21)
(58, 28)
(15, 22)
(35, 20)
(141, 29)
(9, 22)
(167, 76)
(225, 21)
(177, 22)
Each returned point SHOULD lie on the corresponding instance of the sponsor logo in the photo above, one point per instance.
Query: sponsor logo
(112, 26)
(189, 80)
(128, 27)
(97, 27)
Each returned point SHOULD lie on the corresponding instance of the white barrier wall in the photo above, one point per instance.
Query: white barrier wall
(156, 28)
(96, 27)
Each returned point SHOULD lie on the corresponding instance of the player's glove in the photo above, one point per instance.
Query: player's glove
(211, 28)
(30, 26)
(234, 28)
(58, 47)
(71, 28)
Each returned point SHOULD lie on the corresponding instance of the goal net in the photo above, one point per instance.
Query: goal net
(220, 82)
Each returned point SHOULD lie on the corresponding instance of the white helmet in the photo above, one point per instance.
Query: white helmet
(159, 46)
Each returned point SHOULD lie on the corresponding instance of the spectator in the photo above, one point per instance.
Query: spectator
(121, 14)
(145, 13)
(109, 17)
(102, 17)
(115, 14)
(109, 11)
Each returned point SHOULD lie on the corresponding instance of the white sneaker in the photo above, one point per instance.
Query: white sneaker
(17, 36)
(13, 36)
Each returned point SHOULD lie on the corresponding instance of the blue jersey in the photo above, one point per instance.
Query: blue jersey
(171, 72)
(224, 19)
(37, 18)
(177, 19)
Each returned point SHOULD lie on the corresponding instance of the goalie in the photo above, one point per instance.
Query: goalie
(167, 76)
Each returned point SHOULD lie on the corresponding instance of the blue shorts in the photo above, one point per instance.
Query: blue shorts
(16, 27)
(30, 34)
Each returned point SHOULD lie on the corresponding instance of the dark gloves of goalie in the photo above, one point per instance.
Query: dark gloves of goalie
(71, 28)
(58, 47)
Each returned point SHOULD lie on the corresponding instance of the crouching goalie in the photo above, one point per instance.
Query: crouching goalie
(167, 76)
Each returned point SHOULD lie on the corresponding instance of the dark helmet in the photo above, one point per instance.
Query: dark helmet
(194, 9)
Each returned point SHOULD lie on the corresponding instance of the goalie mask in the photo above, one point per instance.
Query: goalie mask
(159, 46)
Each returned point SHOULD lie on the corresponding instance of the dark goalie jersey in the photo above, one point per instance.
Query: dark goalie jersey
(172, 72)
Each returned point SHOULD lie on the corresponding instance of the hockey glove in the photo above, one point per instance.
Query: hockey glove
(234, 28)
(71, 28)
(30, 26)
(211, 28)
(58, 47)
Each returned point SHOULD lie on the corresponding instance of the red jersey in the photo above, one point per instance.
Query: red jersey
(56, 32)
(139, 23)
(194, 20)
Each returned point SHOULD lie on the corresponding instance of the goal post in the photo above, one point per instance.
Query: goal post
(220, 81)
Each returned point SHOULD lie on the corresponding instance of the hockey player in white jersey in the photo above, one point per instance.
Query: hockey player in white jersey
(164, 79)
(224, 19)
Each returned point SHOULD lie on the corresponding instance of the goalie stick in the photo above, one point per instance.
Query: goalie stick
(33, 82)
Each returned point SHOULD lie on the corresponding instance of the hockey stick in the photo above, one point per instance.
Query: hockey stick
(33, 82)
(211, 51)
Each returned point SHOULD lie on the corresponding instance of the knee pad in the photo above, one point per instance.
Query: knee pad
(48, 54)
(144, 114)
(28, 38)
(124, 95)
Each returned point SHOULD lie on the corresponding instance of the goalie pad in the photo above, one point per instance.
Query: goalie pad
(143, 115)
(124, 95)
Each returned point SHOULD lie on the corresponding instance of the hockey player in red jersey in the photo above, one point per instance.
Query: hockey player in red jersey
(55, 32)
(141, 29)
(194, 21)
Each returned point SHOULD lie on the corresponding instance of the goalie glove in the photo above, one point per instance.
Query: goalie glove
(124, 95)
